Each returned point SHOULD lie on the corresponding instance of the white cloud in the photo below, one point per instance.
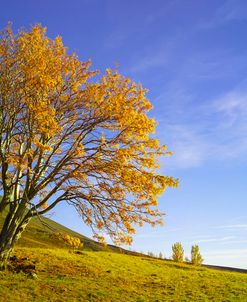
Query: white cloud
(233, 227)
(156, 234)
(214, 131)
(232, 252)
(190, 150)
(230, 11)
(152, 61)
(233, 103)
(216, 239)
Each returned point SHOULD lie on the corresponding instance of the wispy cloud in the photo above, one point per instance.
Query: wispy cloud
(156, 234)
(231, 10)
(116, 39)
(151, 61)
(198, 119)
(233, 227)
(214, 130)
(235, 242)
(231, 252)
(216, 239)
(189, 147)
(233, 106)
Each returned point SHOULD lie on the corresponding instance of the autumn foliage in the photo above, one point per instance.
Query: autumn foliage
(69, 240)
(66, 137)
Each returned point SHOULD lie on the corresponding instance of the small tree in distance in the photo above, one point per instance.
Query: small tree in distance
(196, 258)
(151, 254)
(65, 138)
(177, 252)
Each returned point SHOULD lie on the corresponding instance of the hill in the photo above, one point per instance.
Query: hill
(39, 234)
(99, 274)
(40, 231)
(65, 275)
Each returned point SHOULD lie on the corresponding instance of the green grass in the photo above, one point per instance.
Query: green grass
(106, 276)
(100, 273)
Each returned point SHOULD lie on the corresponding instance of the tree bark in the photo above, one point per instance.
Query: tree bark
(13, 227)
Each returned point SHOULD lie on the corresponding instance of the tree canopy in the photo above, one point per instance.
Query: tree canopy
(67, 137)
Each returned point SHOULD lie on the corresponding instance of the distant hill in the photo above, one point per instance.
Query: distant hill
(40, 230)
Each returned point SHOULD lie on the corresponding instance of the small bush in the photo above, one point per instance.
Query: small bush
(70, 240)
(177, 252)
(196, 257)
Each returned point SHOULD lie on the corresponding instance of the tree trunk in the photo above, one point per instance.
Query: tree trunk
(13, 227)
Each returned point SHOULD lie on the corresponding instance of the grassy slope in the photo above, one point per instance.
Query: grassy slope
(38, 234)
(64, 275)
(106, 276)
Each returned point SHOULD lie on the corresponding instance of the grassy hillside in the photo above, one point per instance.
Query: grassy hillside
(39, 234)
(64, 275)
(99, 274)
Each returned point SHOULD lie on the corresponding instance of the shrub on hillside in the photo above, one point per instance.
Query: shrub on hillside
(196, 257)
(177, 252)
(70, 240)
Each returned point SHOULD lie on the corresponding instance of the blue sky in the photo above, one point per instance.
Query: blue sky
(191, 55)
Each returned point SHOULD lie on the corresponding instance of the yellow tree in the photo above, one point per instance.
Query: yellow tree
(66, 138)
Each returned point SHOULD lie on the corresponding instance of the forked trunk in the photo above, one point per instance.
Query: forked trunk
(10, 233)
